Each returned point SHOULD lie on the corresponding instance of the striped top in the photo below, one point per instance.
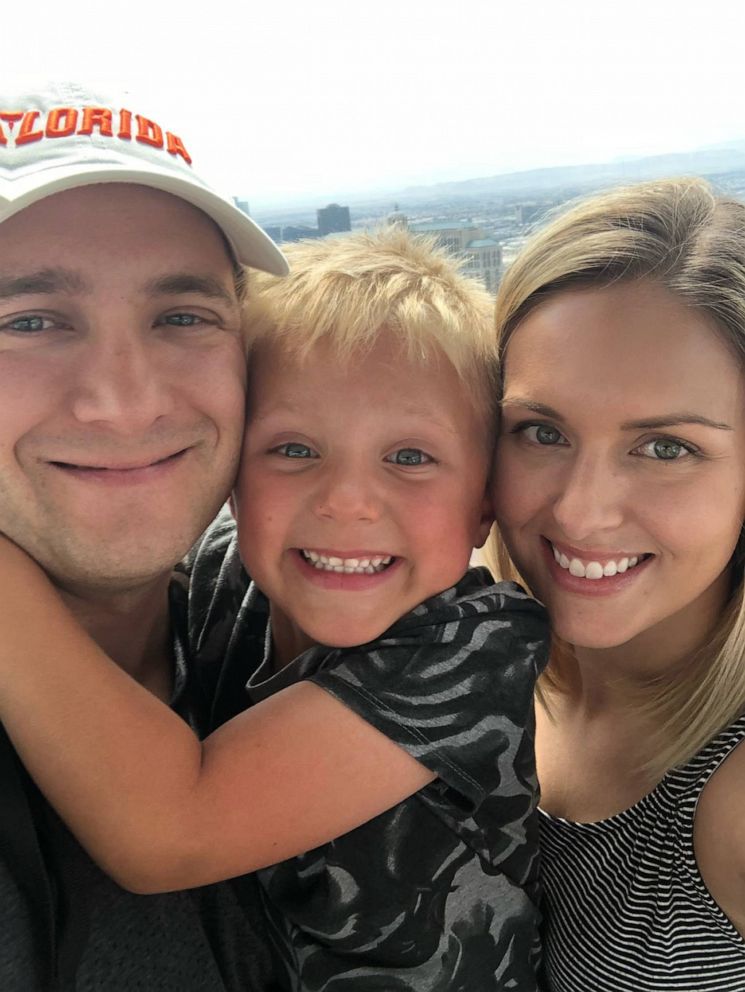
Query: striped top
(626, 909)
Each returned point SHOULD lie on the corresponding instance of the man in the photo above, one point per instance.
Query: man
(121, 409)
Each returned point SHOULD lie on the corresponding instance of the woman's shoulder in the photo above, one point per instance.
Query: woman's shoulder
(718, 837)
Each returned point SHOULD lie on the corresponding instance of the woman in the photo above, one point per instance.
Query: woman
(621, 499)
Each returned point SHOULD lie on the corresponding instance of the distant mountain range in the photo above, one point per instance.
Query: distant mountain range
(569, 179)
(704, 162)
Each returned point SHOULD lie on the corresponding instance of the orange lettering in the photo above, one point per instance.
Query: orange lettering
(26, 133)
(11, 118)
(148, 132)
(61, 122)
(176, 147)
(125, 124)
(98, 117)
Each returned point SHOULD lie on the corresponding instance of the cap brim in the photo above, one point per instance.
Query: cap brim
(252, 246)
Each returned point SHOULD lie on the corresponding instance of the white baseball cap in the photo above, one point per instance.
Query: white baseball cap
(62, 136)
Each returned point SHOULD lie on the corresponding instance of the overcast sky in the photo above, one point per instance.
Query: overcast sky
(328, 97)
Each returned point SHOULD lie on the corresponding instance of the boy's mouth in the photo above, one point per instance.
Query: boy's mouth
(367, 565)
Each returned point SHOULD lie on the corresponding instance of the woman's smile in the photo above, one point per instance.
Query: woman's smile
(620, 483)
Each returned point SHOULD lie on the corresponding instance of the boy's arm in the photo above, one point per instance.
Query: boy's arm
(154, 807)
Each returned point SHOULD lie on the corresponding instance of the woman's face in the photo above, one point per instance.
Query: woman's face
(621, 465)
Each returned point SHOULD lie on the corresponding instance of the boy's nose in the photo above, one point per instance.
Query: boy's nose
(347, 495)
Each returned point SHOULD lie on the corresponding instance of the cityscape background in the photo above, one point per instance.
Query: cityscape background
(483, 222)
(472, 118)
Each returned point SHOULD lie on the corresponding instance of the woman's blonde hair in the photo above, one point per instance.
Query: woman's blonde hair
(680, 234)
(346, 290)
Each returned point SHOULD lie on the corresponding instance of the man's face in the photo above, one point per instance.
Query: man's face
(122, 382)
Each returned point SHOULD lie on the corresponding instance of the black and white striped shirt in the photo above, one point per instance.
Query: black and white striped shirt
(626, 909)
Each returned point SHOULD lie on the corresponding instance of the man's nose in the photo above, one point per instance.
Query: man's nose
(122, 381)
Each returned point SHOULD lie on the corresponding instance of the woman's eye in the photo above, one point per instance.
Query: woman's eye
(666, 449)
(542, 434)
(409, 456)
(293, 449)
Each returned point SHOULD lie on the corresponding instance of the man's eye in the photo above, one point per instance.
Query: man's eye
(410, 456)
(30, 323)
(183, 320)
(293, 449)
(542, 434)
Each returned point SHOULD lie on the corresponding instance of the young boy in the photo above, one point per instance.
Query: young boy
(383, 780)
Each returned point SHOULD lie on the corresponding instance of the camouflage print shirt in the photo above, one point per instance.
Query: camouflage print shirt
(439, 894)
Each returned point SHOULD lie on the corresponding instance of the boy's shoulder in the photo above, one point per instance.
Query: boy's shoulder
(478, 598)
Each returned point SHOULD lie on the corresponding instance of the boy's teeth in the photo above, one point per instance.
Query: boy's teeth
(594, 569)
(349, 566)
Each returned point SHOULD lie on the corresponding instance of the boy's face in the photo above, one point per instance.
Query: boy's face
(362, 490)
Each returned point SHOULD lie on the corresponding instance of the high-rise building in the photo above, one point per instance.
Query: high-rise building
(242, 205)
(482, 255)
(333, 219)
(299, 232)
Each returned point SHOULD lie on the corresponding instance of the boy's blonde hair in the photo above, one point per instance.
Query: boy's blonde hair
(346, 290)
(681, 235)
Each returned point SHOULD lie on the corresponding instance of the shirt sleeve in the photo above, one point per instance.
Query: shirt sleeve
(453, 687)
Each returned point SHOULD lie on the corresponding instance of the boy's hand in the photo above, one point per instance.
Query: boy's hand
(27, 599)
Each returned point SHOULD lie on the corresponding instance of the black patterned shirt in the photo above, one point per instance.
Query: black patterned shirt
(440, 892)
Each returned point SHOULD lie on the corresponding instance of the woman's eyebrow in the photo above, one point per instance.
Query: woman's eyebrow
(645, 423)
(540, 408)
(672, 420)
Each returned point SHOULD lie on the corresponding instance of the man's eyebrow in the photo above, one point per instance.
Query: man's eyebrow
(646, 423)
(178, 283)
(41, 282)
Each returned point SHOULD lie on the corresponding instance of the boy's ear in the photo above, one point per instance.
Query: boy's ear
(487, 519)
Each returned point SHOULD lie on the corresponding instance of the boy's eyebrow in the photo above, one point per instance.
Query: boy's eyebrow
(57, 280)
(646, 423)
(176, 283)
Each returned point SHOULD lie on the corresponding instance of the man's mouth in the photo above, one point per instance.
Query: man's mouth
(598, 566)
(360, 565)
(115, 465)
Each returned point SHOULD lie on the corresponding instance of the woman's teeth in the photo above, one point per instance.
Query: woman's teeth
(594, 569)
(350, 566)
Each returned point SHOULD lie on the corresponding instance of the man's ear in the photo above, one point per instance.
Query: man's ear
(486, 521)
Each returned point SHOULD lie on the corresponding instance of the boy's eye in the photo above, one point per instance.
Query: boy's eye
(294, 449)
(666, 449)
(409, 456)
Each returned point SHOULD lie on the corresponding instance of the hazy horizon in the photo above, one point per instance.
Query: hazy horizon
(326, 102)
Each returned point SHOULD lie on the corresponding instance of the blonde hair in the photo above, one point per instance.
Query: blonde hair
(680, 234)
(349, 289)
